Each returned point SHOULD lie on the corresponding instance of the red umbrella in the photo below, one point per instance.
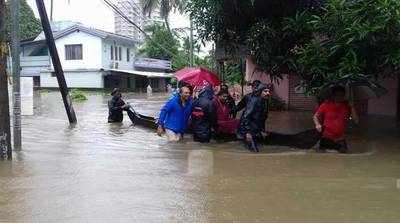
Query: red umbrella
(197, 76)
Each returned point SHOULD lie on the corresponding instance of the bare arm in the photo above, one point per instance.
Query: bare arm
(354, 115)
(317, 123)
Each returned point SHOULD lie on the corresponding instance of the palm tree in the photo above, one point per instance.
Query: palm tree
(165, 7)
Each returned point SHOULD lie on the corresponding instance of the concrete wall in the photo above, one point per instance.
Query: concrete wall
(387, 104)
(286, 88)
(123, 64)
(83, 79)
(297, 99)
(91, 51)
(281, 87)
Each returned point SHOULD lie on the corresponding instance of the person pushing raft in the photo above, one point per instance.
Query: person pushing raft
(116, 106)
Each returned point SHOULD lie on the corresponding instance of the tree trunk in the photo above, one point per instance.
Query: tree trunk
(167, 24)
(5, 135)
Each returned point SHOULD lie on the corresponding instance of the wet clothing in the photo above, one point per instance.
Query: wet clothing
(175, 115)
(254, 117)
(226, 124)
(242, 103)
(328, 144)
(232, 106)
(204, 117)
(334, 117)
(114, 110)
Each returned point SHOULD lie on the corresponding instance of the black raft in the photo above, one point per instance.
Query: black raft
(303, 140)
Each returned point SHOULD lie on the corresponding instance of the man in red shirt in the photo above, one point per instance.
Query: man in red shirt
(331, 120)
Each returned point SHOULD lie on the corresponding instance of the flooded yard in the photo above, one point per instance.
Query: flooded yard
(100, 172)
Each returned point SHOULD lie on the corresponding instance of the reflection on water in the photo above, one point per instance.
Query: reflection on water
(100, 172)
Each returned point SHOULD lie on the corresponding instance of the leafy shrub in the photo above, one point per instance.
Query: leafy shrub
(78, 95)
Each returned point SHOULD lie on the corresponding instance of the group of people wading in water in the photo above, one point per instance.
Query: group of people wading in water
(206, 114)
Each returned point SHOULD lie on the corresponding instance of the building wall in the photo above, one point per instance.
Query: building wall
(91, 51)
(281, 87)
(83, 79)
(123, 64)
(387, 104)
(297, 99)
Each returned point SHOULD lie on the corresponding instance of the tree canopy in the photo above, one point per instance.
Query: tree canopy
(317, 40)
(29, 25)
(163, 45)
(165, 7)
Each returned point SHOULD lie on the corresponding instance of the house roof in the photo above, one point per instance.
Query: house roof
(62, 30)
(95, 32)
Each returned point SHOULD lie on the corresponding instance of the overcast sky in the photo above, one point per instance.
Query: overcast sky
(94, 13)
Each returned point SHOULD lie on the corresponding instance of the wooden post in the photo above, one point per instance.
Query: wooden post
(16, 70)
(398, 100)
(56, 61)
(5, 133)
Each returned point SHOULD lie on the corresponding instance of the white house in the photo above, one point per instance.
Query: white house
(90, 58)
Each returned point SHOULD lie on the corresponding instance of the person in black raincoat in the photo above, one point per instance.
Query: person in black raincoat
(204, 116)
(229, 101)
(116, 106)
(242, 103)
(252, 122)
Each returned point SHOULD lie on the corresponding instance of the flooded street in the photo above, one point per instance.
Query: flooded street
(100, 172)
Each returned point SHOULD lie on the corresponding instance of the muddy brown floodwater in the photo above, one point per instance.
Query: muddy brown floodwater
(97, 172)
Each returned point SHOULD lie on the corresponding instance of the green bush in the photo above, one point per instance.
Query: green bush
(78, 95)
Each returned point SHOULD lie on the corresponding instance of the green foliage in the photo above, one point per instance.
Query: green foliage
(232, 72)
(272, 43)
(29, 25)
(160, 36)
(351, 38)
(320, 44)
(78, 96)
(172, 49)
(165, 7)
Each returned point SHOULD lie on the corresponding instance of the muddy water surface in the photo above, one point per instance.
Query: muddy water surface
(97, 172)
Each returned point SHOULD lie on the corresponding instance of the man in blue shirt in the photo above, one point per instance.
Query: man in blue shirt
(174, 116)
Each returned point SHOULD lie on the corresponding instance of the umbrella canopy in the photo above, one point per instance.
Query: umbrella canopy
(358, 87)
(197, 76)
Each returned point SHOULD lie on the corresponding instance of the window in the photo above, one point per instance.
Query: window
(112, 52)
(116, 53)
(120, 53)
(73, 52)
(128, 55)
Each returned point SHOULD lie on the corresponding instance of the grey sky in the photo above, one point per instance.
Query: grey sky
(94, 13)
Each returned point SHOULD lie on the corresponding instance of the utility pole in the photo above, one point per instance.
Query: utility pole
(56, 62)
(51, 9)
(5, 133)
(16, 70)
(191, 44)
(398, 100)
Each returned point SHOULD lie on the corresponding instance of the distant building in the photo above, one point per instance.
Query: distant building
(133, 10)
(91, 58)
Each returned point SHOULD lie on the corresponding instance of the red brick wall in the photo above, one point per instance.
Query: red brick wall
(297, 100)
